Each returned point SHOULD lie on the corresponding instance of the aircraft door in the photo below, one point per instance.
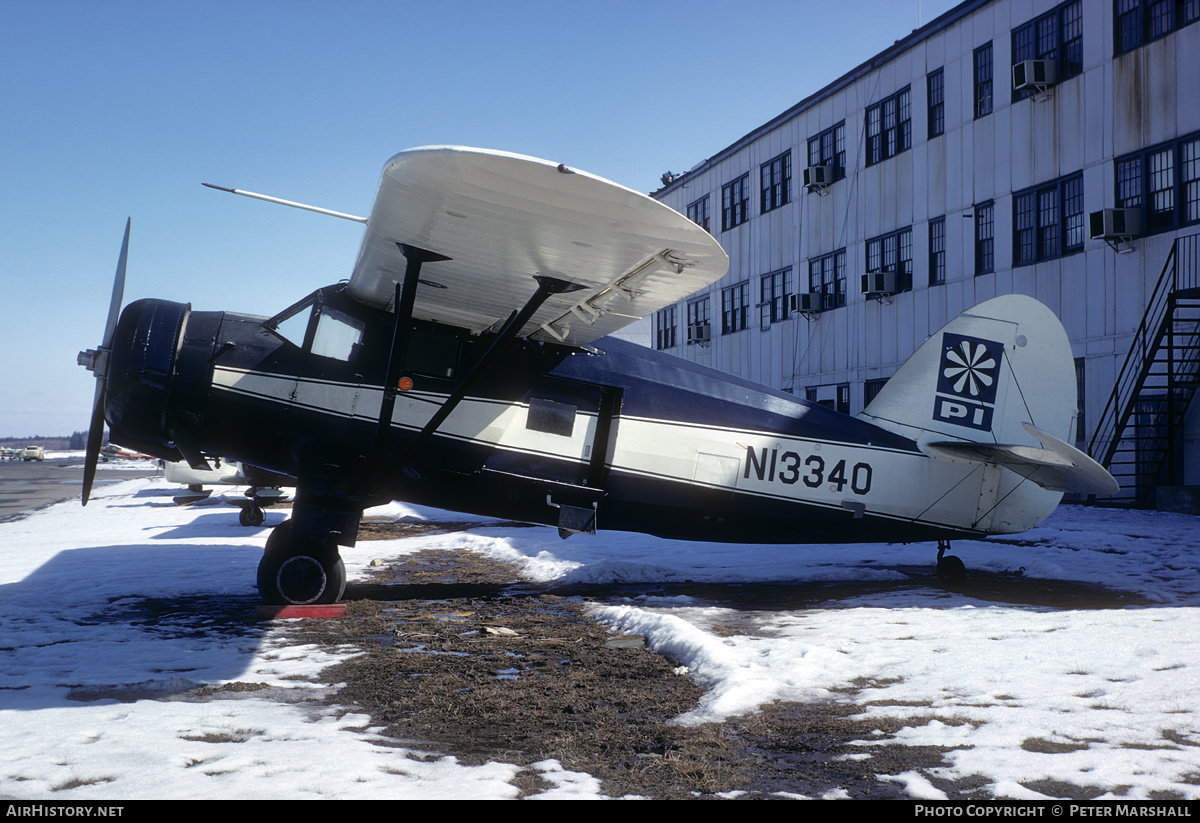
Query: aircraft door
(559, 432)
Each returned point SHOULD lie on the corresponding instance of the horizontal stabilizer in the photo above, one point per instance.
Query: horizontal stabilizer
(1057, 467)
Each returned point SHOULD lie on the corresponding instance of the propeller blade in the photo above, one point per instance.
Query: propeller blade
(96, 429)
(118, 292)
(95, 435)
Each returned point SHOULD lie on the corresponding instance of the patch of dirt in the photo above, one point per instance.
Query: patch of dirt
(462, 658)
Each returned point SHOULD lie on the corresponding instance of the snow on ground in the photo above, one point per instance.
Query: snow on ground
(1099, 694)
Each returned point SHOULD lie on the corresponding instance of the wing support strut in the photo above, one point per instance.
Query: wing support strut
(547, 286)
(406, 295)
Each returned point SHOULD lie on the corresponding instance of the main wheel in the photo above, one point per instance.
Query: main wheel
(299, 572)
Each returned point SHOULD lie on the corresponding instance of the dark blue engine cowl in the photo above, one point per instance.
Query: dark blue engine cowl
(142, 373)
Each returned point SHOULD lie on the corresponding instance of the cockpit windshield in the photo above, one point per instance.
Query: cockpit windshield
(319, 328)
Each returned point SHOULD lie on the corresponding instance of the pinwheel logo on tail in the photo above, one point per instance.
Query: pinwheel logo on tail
(970, 368)
(967, 381)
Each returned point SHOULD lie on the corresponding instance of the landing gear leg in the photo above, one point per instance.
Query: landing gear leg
(300, 570)
(949, 567)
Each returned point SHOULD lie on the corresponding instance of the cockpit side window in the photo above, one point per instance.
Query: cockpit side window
(320, 329)
(337, 335)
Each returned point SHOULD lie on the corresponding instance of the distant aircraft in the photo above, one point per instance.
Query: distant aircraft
(113, 450)
(264, 487)
(465, 365)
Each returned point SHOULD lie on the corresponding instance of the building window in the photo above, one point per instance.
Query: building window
(984, 247)
(664, 328)
(1048, 221)
(735, 202)
(698, 322)
(776, 182)
(773, 306)
(697, 212)
(935, 85)
(834, 396)
(735, 307)
(1160, 177)
(1056, 37)
(871, 389)
(889, 128)
(829, 149)
(983, 81)
(1164, 182)
(937, 251)
(1140, 21)
(827, 277)
(892, 252)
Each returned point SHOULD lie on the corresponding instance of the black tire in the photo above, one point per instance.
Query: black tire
(951, 569)
(251, 516)
(299, 574)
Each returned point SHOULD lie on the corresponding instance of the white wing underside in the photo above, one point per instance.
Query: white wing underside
(504, 218)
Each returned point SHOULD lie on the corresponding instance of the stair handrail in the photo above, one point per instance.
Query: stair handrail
(1111, 423)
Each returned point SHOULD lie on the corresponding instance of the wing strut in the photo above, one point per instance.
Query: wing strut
(547, 286)
(406, 294)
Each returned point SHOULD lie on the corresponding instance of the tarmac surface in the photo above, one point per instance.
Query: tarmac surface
(27, 486)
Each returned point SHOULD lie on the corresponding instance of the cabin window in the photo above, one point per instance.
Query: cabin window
(433, 355)
(337, 335)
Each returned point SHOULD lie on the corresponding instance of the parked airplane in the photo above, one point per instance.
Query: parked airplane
(264, 488)
(465, 365)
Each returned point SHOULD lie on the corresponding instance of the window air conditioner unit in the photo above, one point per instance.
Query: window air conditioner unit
(819, 177)
(1115, 224)
(1033, 75)
(879, 283)
(816, 301)
(698, 333)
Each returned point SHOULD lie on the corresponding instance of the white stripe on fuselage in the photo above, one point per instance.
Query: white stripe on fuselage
(886, 482)
(479, 420)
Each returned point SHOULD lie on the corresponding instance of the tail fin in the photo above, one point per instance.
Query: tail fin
(995, 386)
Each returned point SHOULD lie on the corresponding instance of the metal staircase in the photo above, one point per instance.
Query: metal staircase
(1135, 438)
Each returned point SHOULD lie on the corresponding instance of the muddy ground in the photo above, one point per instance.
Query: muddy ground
(463, 658)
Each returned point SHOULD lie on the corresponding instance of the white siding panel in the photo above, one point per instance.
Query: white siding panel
(1116, 107)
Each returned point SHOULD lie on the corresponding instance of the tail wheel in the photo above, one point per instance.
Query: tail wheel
(950, 568)
(299, 572)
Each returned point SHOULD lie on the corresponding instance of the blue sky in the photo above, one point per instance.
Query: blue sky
(121, 109)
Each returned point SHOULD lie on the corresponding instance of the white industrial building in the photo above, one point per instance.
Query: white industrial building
(1050, 149)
